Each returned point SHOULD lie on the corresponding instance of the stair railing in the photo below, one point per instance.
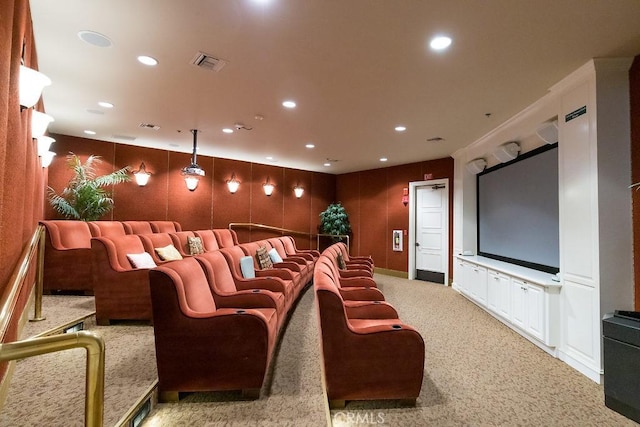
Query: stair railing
(92, 343)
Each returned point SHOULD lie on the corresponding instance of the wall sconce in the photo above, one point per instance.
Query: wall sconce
(233, 184)
(39, 123)
(193, 172)
(47, 158)
(32, 83)
(268, 187)
(405, 196)
(141, 175)
(44, 143)
(298, 191)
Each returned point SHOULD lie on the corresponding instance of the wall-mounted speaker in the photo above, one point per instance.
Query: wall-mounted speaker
(548, 132)
(476, 166)
(507, 152)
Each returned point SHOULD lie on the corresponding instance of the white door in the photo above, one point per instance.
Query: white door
(432, 235)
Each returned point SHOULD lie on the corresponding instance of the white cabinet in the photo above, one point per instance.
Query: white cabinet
(499, 293)
(525, 300)
(527, 307)
(478, 283)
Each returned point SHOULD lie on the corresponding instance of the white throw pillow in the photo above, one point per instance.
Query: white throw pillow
(142, 260)
(275, 256)
(246, 266)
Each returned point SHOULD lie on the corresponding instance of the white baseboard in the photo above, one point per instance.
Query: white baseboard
(591, 373)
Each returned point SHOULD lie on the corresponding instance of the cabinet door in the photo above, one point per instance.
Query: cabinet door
(535, 311)
(479, 284)
(493, 291)
(504, 296)
(518, 292)
(458, 274)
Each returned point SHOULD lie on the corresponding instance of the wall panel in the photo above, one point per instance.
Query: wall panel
(135, 203)
(227, 207)
(634, 91)
(192, 209)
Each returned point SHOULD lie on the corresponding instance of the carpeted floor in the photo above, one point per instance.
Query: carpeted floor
(478, 372)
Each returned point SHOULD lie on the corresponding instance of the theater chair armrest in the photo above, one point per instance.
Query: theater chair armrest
(288, 265)
(358, 281)
(350, 273)
(271, 283)
(295, 259)
(282, 273)
(358, 266)
(370, 310)
(361, 294)
(305, 256)
(255, 298)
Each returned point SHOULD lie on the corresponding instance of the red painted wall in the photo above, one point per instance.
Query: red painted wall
(21, 176)
(211, 205)
(634, 84)
(373, 200)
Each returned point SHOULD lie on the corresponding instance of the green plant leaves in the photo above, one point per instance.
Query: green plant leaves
(85, 197)
(335, 220)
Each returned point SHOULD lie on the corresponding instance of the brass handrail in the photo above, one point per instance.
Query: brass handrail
(94, 384)
(268, 227)
(94, 344)
(285, 230)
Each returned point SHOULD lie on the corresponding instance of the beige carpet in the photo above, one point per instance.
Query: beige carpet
(478, 372)
(48, 390)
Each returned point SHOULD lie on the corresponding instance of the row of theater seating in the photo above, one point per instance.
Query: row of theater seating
(368, 352)
(122, 289)
(217, 330)
(67, 255)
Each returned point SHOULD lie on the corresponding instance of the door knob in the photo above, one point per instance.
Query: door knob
(417, 244)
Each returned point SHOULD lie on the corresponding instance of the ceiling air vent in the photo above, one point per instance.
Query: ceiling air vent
(149, 126)
(124, 137)
(208, 62)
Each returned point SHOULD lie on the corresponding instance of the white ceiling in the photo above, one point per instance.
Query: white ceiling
(356, 68)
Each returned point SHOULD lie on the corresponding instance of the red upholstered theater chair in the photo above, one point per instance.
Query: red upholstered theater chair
(350, 269)
(366, 359)
(121, 289)
(208, 238)
(181, 241)
(200, 346)
(355, 259)
(137, 227)
(291, 250)
(161, 247)
(67, 256)
(296, 271)
(290, 246)
(106, 228)
(306, 266)
(249, 293)
(165, 226)
(226, 238)
(351, 289)
(278, 280)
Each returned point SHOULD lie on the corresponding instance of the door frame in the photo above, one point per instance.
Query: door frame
(413, 190)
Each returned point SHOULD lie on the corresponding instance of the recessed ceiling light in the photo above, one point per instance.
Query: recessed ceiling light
(401, 128)
(383, 159)
(269, 158)
(310, 145)
(227, 130)
(105, 104)
(440, 42)
(289, 104)
(327, 164)
(147, 60)
(89, 132)
(95, 39)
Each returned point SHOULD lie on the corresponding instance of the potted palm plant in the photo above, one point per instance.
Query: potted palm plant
(86, 197)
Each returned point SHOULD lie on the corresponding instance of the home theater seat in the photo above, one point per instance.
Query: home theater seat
(67, 243)
(201, 346)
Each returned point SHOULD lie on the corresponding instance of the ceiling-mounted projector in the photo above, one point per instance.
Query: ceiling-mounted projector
(476, 166)
(507, 152)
